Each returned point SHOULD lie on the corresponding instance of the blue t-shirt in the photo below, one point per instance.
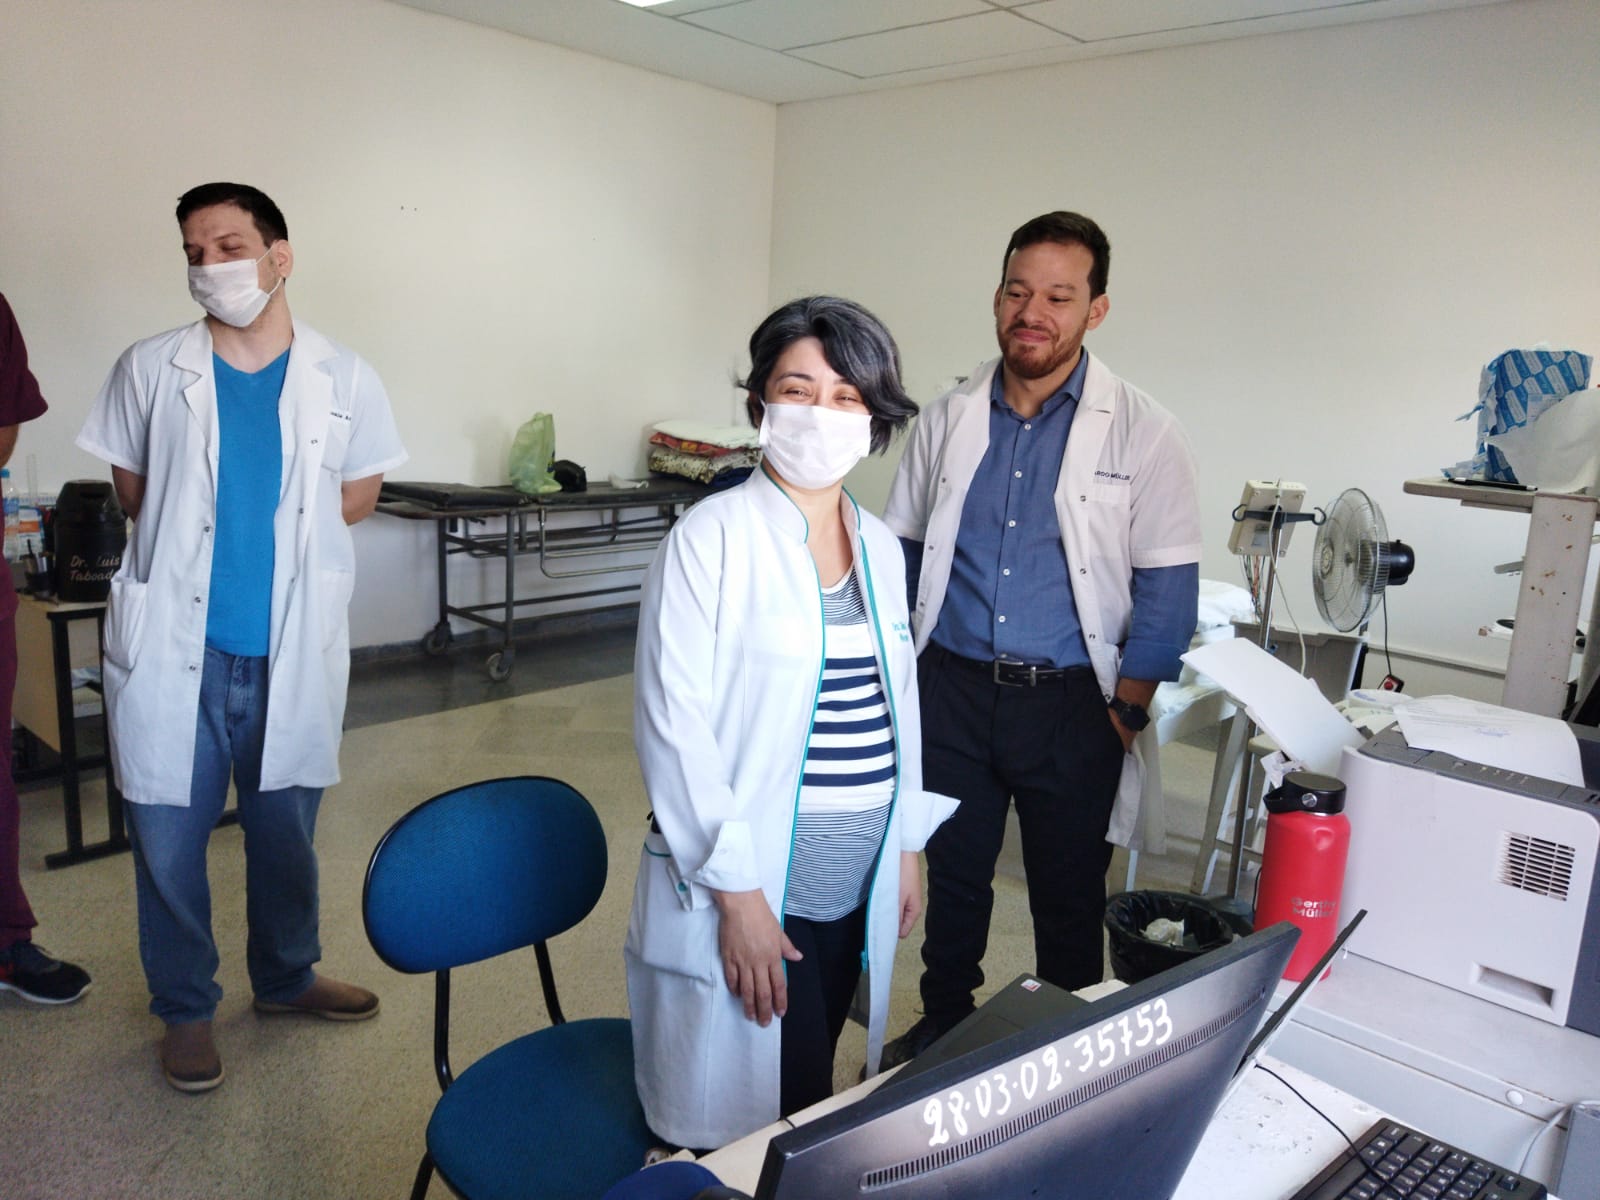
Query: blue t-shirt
(249, 479)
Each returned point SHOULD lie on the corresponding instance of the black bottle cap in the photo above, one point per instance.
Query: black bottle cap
(1307, 792)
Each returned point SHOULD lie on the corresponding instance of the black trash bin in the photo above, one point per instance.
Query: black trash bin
(1134, 957)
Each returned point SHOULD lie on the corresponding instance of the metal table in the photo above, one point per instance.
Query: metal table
(1557, 556)
(47, 651)
(43, 706)
(600, 521)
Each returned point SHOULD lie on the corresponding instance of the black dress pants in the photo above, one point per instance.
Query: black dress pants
(821, 986)
(1053, 750)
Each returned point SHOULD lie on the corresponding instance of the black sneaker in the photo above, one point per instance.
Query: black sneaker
(913, 1042)
(34, 975)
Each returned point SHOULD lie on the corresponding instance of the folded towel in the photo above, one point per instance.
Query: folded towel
(731, 437)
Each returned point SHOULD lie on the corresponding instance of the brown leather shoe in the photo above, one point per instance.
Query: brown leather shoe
(189, 1057)
(326, 998)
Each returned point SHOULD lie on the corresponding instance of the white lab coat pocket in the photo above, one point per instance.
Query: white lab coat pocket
(335, 589)
(1110, 493)
(784, 640)
(336, 443)
(665, 931)
(125, 622)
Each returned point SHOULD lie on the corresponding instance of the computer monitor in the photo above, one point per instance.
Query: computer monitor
(1106, 1101)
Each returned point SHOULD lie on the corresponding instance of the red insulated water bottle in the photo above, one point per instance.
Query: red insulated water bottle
(1302, 864)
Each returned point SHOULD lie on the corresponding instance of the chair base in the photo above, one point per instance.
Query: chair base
(419, 1186)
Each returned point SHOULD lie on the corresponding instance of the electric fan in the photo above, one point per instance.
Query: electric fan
(1354, 560)
(1352, 563)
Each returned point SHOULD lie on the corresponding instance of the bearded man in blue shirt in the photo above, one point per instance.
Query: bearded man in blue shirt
(1052, 532)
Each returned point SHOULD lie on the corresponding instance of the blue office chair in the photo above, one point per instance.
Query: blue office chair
(467, 875)
(671, 1181)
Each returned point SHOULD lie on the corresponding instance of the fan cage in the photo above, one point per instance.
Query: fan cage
(1351, 560)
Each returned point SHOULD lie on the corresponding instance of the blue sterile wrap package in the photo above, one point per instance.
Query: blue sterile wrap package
(1514, 391)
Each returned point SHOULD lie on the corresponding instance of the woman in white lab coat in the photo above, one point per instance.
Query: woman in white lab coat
(778, 733)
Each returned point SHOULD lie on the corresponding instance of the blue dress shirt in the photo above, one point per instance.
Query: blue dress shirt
(1009, 555)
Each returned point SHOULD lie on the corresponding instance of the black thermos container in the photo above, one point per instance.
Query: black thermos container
(90, 534)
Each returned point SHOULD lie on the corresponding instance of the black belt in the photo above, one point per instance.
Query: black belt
(1016, 674)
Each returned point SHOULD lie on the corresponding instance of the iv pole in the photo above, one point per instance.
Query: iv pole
(1278, 517)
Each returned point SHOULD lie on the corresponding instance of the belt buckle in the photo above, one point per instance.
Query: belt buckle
(1031, 681)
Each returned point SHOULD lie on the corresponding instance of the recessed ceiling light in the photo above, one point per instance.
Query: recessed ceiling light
(644, 3)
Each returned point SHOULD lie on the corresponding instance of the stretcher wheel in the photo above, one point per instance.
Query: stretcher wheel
(437, 638)
(500, 664)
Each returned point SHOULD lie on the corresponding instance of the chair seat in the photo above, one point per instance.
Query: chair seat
(553, 1115)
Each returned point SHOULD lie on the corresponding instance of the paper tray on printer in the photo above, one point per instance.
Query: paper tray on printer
(1390, 746)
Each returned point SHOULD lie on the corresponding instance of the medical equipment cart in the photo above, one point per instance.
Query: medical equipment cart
(489, 523)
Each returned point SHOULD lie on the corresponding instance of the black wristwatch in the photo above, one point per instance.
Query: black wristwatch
(1132, 715)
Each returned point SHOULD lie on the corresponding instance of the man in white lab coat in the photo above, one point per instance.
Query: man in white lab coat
(243, 446)
(1053, 511)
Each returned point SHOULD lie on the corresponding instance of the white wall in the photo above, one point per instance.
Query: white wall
(498, 225)
(1318, 239)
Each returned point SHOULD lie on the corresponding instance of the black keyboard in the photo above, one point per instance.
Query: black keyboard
(1392, 1161)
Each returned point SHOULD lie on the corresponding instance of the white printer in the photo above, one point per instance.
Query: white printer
(1481, 879)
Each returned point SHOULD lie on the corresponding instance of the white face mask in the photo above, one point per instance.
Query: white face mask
(811, 446)
(229, 291)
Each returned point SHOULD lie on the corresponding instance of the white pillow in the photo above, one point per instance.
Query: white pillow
(1223, 604)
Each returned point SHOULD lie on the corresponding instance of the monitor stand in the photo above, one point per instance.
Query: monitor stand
(1021, 1004)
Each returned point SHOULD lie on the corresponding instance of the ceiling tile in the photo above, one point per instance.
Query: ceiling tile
(1095, 21)
(783, 24)
(677, 8)
(963, 39)
(612, 30)
(851, 46)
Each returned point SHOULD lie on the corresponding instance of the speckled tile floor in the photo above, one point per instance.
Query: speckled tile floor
(316, 1109)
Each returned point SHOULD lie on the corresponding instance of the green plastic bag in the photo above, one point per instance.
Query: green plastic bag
(532, 452)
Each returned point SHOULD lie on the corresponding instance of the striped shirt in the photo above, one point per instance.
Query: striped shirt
(848, 783)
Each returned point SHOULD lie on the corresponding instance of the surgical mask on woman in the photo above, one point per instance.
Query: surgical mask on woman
(229, 291)
(812, 446)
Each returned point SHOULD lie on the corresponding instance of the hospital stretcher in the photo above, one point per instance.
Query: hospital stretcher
(501, 523)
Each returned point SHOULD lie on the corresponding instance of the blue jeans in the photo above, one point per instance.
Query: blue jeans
(169, 855)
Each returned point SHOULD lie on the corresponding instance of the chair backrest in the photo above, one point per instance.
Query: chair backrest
(481, 870)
